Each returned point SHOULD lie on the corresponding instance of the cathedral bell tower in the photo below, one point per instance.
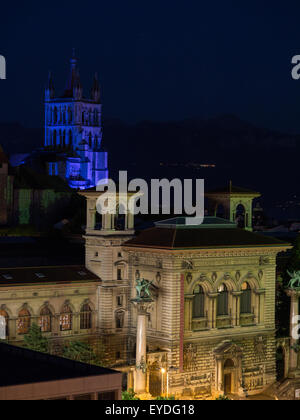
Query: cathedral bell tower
(73, 131)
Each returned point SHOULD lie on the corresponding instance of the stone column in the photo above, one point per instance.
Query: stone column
(219, 376)
(236, 308)
(294, 313)
(213, 310)
(259, 310)
(141, 349)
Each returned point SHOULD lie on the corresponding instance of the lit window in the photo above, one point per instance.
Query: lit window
(23, 322)
(45, 320)
(65, 320)
(4, 314)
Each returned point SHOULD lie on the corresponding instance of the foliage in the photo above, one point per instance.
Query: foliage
(170, 397)
(34, 340)
(82, 352)
(223, 398)
(129, 395)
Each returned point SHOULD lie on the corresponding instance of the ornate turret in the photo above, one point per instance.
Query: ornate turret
(49, 90)
(95, 92)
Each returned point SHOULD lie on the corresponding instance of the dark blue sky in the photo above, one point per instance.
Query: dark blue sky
(158, 59)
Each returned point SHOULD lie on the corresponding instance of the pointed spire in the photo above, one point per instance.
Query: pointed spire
(95, 92)
(49, 90)
(73, 87)
(230, 186)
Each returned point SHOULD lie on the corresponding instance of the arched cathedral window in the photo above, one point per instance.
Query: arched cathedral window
(45, 319)
(198, 302)
(66, 318)
(23, 321)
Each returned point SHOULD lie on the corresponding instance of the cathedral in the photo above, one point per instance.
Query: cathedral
(73, 131)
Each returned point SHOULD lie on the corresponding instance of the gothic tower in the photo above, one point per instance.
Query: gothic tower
(73, 130)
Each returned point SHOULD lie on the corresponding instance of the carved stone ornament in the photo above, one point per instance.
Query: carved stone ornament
(189, 278)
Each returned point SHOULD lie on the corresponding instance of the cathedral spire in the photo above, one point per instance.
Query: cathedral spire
(95, 92)
(49, 90)
(73, 87)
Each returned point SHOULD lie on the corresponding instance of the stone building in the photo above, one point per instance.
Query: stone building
(211, 326)
(62, 300)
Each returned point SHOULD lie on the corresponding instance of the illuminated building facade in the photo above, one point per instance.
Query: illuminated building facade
(73, 129)
(211, 325)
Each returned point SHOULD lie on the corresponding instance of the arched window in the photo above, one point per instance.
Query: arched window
(45, 319)
(246, 299)
(86, 317)
(240, 216)
(222, 301)
(23, 322)
(66, 318)
(198, 303)
(6, 317)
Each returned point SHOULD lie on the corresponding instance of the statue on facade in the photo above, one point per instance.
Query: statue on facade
(143, 290)
(294, 283)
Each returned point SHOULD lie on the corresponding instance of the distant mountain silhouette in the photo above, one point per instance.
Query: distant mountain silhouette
(253, 157)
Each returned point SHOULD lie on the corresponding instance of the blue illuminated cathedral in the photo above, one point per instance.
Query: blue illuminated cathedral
(73, 131)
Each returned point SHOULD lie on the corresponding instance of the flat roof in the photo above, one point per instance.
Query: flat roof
(21, 366)
(46, 275)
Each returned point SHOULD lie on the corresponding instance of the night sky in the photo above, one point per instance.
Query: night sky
(158, 59)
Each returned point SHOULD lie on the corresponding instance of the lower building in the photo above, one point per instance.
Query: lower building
(29, 375)
(211, 325)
